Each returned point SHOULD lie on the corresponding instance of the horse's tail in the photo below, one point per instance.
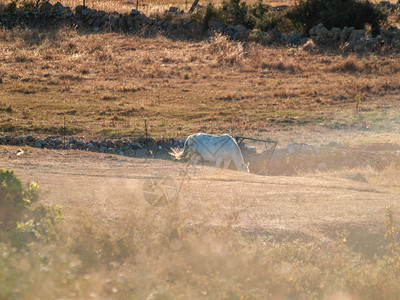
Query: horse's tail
(180, 154)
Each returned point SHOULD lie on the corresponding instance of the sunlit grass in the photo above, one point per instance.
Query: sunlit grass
(181, 87)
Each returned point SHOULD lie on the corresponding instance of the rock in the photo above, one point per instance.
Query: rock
(276, 36)
(96, 29)
(125, 146)
(129, 152)
(148, 142)
(357, 35)
(334, 34)
(111, 150)
(134, 12)
(46, 7)
(109, 144)
(294, 37)
(79, 9)
(173, 9)
(141, 153)
(162, 154)
(135, 145)
(357, 177)
(321, 33)
(215, 25)
(322, 166)
(241, 32)
(99, 14)
(57, 8)
(86, 12)
(119, 144)
(345, 34)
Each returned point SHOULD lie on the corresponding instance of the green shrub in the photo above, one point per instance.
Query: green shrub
(261, 17)
(392, 257)
(13, 202)
(337, 13)
(40, 227)
(22, 5)
(252, 16)
(234, 12)
(18, 224)
(211, 13)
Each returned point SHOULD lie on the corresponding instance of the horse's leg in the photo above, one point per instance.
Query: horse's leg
(218, 162)
(192, 160)
(226, 163)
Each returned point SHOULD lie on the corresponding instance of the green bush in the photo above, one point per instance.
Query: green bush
(252, 16)
(19, 224)
(337, 13)
(13, 199)
(22, 5)
(41, 227)
(211, 13)
(234, 12)
(10, 8)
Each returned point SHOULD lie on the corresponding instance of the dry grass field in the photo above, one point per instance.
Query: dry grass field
(107, 84)
(229, 235)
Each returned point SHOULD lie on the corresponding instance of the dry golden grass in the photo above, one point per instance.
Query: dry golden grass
(107, 84)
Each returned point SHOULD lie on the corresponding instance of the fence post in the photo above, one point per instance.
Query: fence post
(64, 133)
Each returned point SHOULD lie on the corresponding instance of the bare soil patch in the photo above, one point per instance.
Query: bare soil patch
(318, 207)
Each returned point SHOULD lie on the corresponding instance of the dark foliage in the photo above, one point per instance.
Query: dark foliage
(337, 13)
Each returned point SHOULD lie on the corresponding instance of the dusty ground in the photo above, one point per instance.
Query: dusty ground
(321, 207)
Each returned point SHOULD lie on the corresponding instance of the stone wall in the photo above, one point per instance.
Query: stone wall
(350, 39)
(98, 20)
(285, 161)
(140, 147)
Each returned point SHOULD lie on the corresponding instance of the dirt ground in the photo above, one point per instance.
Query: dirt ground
(315, 207)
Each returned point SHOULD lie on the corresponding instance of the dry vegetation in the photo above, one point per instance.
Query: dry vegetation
(230, 236)
(107, 84)
(152, 7)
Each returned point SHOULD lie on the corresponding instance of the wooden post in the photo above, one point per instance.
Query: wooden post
(194, 6)
(145, 128)
(64, 133)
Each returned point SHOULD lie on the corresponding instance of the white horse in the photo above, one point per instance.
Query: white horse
(216, 149)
